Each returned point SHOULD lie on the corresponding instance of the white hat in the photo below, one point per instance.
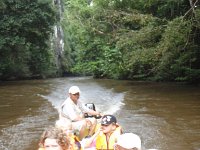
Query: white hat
(74, 90)
(129, 141)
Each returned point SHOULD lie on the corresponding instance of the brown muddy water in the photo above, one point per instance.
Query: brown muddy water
(165, 115)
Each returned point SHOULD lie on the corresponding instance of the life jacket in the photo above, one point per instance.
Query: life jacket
(77, 143)
(74, 140)
(103, 143)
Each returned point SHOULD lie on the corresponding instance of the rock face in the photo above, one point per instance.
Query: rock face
(58, 38)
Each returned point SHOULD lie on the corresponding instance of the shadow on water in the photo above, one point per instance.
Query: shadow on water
(165, 115)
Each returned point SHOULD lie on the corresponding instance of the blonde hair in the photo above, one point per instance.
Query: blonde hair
(54, 133)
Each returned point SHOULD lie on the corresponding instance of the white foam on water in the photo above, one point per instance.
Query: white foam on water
(105, 100)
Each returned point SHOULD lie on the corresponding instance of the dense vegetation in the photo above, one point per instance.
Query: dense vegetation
(128, 39)
(25, 30)
(119, 39)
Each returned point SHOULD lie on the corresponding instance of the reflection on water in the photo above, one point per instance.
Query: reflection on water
(165, 116)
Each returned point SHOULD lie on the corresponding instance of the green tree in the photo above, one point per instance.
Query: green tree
(127, 39)
(25, 29)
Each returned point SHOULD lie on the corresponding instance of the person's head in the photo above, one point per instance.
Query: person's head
(64, 124)
(128, 141)
(108, 123)
(74, 93)
(55, 139)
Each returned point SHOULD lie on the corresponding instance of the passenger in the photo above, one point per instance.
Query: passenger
(128, 141)
(61, 124)
(55, 139)
(89, 143)
(67, 128)
(110, 131)
(72, 111)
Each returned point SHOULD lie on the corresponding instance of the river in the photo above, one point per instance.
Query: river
(165, 115)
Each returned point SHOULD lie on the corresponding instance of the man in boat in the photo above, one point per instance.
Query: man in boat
(72, 111)
(128, 141)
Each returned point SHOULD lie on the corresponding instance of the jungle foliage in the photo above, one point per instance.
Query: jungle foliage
(128, 39)
(119, 39)
(25, 30)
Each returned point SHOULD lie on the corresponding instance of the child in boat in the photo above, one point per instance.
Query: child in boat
(55, 139)
(106, 136)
